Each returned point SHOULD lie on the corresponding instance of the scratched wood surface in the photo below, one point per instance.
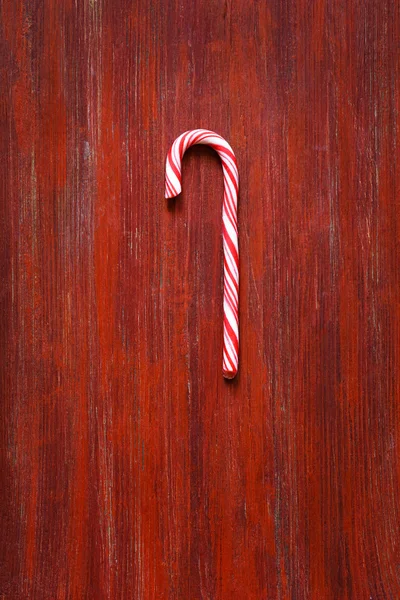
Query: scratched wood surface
(129, 467)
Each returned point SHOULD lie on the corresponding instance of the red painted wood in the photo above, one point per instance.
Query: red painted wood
(129, 467)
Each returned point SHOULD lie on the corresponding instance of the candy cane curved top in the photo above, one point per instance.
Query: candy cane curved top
(173, 170)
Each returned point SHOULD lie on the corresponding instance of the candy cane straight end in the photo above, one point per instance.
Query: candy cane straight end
(229, 374)
(173, 187)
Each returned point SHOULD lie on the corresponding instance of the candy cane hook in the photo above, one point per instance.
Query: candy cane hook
(173, 170)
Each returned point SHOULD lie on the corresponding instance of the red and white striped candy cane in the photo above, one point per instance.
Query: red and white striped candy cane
(173, 170)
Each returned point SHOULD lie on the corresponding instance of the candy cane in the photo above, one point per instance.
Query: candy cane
(173, 187)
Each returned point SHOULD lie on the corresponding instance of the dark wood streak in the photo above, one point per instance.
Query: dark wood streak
(129, 467)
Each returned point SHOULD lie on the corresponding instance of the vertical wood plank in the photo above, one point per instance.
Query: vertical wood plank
(129, 467)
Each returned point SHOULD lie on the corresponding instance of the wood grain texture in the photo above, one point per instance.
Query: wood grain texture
(129, 467)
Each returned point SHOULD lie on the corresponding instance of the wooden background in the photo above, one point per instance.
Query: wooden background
(129, 468)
